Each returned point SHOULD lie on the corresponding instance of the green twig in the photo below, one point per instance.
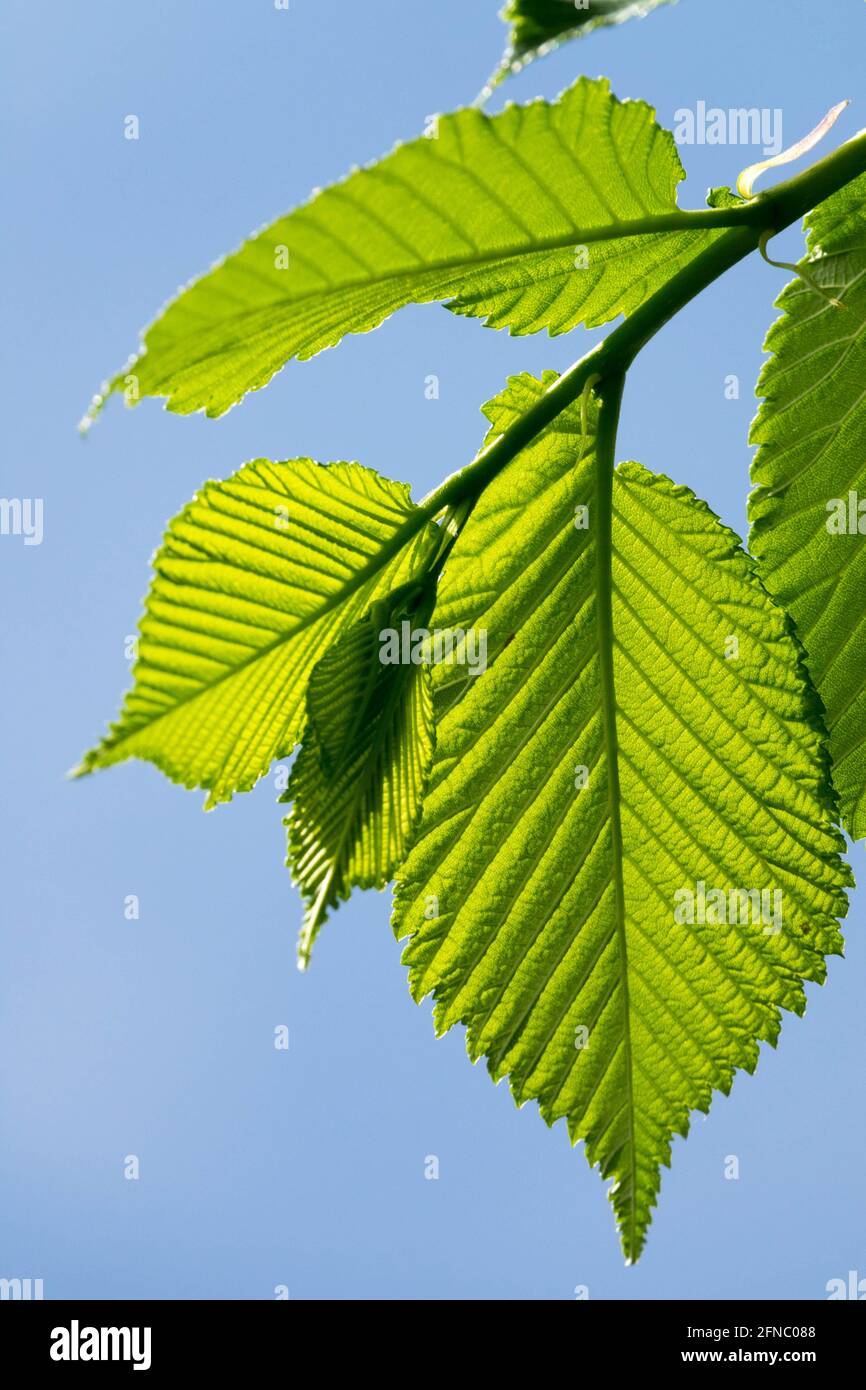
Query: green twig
(746, 226)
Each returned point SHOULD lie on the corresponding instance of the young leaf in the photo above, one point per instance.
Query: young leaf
(539, 26)
(254, 580)
(647, 749)
(519, 219)
(808, 511)
(359, 779)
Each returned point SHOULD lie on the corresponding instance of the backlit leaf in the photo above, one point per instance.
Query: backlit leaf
(808, 510)
(646, 744)
(518, 219)
(254, 581)
(539, 26)
(359, 779)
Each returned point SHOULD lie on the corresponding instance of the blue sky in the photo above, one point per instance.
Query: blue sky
(154, 1037)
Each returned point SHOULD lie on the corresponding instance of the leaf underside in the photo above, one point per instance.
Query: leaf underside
(811, 433)
(527, 918)
(254, 580)
(358, 782)
(486, 215)
(539, 26)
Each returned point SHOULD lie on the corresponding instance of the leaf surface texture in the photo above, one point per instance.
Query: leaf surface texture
(556, 903)
(254, 581)
(538, 26)
(487, 216)
(810, 476)
(358, 782)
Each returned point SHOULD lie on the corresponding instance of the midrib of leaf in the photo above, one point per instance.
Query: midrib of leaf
(651, 224)
(388, 550)
(230, 330)
(605, 446)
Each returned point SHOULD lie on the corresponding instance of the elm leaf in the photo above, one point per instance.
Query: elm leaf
(808, 509)
(628, 860)
(358, 782)
(539, 26)
(255, 579)
(545, 216)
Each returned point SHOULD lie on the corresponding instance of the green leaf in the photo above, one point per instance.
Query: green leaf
(538, 906)
(487, 215)
(809, 504)
(359, 779)
(539, 26)
(724, 197)
(254, 580)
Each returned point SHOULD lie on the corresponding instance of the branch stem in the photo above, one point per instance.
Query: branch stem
(771, 211)
(746, 225)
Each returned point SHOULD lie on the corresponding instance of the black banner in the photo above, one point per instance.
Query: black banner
(66, 1338)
